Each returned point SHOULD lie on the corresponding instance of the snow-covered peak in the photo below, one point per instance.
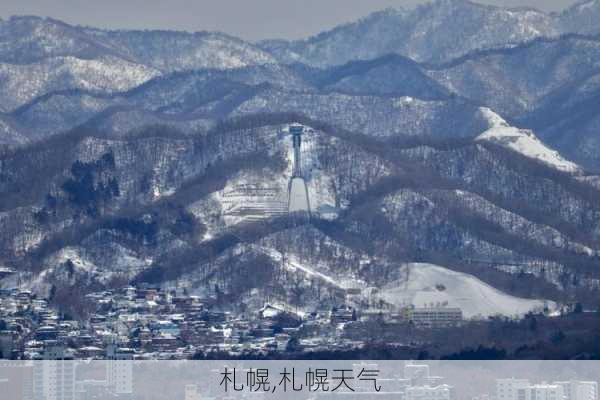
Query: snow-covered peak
(582, 17)
(585, 5)
(522, 141)
(492, 118)
(436, 31)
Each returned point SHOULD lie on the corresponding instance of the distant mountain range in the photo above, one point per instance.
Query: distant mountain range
(453, 135)
(435, 32)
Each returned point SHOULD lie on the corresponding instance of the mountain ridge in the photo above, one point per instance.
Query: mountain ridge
(179, 169)
(542, 25)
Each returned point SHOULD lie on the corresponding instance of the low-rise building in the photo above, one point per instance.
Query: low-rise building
(579, 390)
(437, 316)
(441, 392)
(506, 389)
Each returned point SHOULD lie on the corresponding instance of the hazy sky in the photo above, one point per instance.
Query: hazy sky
(249, 19)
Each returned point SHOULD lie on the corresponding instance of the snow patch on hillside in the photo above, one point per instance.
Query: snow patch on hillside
(522, 141)
(428, 284)
(294, 264)
(77, 263)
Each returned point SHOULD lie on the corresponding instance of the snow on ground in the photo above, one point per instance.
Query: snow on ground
(522, 141)
(74, 255)
(118, 260)
(254, 194)
(425, 285)
(543, 234)
(246, 195)
(321, 197)
(293, 264)
(298, 196)
(428, 284)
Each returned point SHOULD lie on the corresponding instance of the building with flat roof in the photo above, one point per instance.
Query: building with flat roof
(54, 377)
(440, 392)
(579, 390)
(506, 389)
(435, 316)
(541, 392)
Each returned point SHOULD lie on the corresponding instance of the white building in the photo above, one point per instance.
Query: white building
(119, 370)
(417, 374)
(541, 392)
(416, 371)
(54, 377)
(579, 390)
(191, 392)
(506, 389)
(435, 316)
(441, 392)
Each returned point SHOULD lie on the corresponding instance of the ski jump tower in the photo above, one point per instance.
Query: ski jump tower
(297, 191)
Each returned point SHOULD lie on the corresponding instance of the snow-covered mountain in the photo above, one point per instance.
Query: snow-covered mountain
(20, 84)
(523, 141)
(437, 31)
(458, 202)
(28, 39)
(382, 116)
(181, 51)
(10, 134)
(550, 86)
(40, 56)
(582, 17)
(81, 73)
(426, 179)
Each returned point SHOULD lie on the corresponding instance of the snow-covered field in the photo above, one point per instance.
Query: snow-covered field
(428, 284)
(422, 285)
